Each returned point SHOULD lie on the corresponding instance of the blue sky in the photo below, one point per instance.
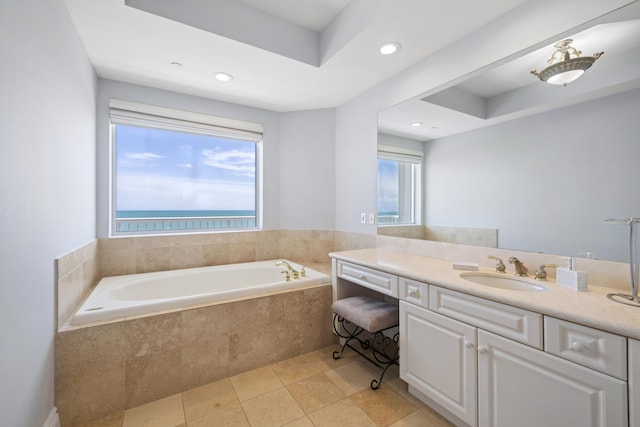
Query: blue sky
(387, 185)
(165, 170)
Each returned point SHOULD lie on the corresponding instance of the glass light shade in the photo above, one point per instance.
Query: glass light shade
(564, 78)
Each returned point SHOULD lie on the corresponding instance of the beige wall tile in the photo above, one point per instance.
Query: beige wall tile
(117, 262)
(205, 345)
(89, 378)
(153, 259)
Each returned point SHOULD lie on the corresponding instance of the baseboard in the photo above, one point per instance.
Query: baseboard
(53, 420)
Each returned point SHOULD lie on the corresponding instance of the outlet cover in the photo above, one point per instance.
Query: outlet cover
(372, 218)
(363, 218)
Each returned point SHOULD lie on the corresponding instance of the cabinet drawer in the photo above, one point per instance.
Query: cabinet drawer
(380, 281)
(599, 350)
(511, 322)
(414, 291)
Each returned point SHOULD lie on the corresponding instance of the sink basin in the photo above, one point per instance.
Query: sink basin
(501, 281)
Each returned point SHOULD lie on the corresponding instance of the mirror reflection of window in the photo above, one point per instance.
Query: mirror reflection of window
(399, 186)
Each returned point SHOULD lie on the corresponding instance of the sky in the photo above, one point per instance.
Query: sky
(165, 170)
(387, 185)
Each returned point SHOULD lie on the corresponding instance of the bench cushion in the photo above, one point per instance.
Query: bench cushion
(369, 313)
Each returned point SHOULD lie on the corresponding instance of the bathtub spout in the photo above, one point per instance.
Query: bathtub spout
(294, 272)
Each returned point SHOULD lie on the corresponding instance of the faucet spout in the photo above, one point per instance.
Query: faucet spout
(293, 271)
(521, 270)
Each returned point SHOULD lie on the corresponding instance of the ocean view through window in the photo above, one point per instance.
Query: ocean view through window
(399, 187)
(177, 176)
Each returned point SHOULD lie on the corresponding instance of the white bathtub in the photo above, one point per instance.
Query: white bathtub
(136, 294)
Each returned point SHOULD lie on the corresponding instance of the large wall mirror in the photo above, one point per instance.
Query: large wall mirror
(509, 161)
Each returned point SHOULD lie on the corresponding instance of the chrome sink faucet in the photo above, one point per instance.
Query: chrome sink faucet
(521, 270)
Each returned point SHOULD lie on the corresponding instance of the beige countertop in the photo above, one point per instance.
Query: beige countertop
(591, 308)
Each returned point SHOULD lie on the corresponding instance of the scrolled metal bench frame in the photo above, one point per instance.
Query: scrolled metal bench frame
(377, 345)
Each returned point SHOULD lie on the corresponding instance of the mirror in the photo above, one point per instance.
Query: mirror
(512, 162)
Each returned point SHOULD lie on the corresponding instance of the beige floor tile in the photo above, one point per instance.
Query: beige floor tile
(300, 422)
(343, 413)
(315, 392)
(301, 367)
(424, 417)
(167, 412)
(111, 421)
(256, 382)
(202, 401)
(275, 408)
(326, 355)
(401, 387)
(228, 415)
(384, 406)
(352, 377)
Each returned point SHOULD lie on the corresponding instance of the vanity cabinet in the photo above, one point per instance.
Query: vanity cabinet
(524, 387)
(487, 364)
(438, 358)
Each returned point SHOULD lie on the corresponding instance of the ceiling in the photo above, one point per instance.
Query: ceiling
(507, 90)
(284, 55)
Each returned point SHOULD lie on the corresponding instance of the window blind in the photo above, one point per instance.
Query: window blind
(135, 114)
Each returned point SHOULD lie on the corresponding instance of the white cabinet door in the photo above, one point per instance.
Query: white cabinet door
(524, 387)
(438, 358)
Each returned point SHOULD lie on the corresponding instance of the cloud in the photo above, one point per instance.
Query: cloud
(143, 156)
(159, 191)
(241, 162)
(184, 165)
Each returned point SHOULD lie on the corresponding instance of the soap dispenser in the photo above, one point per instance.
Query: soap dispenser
(571, 278)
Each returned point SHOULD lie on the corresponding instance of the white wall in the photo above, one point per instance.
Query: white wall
(47, 191)
(297, 155)
(356, 124)
(546, 182)
(307, 172)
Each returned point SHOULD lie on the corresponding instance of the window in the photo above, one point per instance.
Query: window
(176, 171)
(399, 186)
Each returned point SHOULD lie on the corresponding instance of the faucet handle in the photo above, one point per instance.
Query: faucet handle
(303, 273)
(541, 273)
(287, 276)
(500, 267)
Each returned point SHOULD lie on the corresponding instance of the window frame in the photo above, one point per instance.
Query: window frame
(123, 112)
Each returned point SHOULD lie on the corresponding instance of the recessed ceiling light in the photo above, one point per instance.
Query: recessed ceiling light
(223, 77)
(416, 124)
(389, 48)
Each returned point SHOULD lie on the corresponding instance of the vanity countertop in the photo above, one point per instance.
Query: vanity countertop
(591, 308)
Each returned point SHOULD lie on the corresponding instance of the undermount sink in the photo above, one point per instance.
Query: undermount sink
(501, 281)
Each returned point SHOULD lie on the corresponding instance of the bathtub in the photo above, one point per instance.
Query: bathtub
(138, 294)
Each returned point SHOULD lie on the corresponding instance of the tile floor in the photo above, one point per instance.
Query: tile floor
(308, 390)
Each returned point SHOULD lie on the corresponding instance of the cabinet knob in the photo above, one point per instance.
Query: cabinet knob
(468, 344)
(414, 292)
(363, 277)
(482, 349)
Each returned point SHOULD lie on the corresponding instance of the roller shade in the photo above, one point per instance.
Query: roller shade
(135, 114)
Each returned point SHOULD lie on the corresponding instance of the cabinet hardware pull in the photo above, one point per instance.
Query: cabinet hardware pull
(579, 346)
(482, 349)
(363, 277)
(469, 344)
(414, 293)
